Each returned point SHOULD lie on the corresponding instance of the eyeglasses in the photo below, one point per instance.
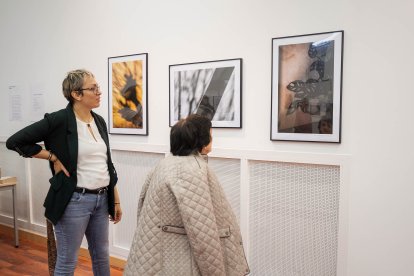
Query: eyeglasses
(96, 89)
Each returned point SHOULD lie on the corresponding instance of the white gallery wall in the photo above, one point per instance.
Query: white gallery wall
(361, 189)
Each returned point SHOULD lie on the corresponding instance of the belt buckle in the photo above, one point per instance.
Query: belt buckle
(102, 191)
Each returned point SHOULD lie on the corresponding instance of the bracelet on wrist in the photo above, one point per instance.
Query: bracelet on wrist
(54, 160)
(117, 202)
(50, 155)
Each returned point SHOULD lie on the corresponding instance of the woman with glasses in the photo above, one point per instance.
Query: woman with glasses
(82, 190)
(185, 224)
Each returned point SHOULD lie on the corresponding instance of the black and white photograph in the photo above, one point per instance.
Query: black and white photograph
(211, 89)
(306, 87)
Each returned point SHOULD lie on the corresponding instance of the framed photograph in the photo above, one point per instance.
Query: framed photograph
(211, 89)
(306, 87)
(128, 94)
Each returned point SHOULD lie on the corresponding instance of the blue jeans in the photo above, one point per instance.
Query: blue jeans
(86, 214)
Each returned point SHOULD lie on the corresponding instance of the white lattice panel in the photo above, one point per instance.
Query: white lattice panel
(293, 219)
(228, 173)
(132, 168)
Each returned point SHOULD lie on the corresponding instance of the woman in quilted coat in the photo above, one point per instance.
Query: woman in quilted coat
(185, 223)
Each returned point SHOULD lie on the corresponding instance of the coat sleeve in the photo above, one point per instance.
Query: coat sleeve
(25, 140)
(197, 213)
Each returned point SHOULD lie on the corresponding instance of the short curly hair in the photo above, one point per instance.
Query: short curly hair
(74, 82)
(190, 135)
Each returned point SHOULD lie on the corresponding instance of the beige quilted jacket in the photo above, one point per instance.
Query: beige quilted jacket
(185, 224)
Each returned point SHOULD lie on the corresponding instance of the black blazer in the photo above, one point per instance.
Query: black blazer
(59, 132)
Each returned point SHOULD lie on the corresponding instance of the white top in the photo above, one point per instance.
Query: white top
(92, 168)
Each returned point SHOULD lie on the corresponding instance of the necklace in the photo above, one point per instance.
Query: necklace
(91, 132)
(87, 122)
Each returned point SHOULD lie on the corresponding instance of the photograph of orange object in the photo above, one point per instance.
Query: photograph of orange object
(128, 94)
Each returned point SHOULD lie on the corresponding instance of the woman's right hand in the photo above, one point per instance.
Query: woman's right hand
(58, 166)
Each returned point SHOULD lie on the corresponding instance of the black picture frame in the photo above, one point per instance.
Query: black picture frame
(306, 95)
(128, 94)
(210, 88)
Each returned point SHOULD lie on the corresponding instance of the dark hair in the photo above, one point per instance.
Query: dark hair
(190, 135)
(324, 119)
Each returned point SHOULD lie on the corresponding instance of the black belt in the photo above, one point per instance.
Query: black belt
(97, 191)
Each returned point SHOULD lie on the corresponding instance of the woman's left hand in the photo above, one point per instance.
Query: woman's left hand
(118, 214)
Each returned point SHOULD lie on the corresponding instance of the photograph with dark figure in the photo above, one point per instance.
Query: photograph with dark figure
(127, 95)
(308, 88)
(211, 89)
(307, 77)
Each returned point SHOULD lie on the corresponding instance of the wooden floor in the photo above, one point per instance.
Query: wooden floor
(30, 258)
